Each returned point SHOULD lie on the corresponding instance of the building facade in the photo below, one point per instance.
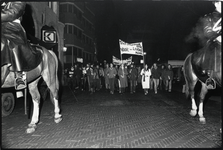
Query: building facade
(79, 32)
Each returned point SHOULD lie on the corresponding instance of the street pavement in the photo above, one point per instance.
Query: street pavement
(102, 120)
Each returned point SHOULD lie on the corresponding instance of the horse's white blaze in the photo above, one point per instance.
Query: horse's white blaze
(35, 117)
(56, 108)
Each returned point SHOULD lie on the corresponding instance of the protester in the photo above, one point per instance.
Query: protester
(77, 76)
(117, 81)
(84, 78)
(133, 74)
(168, 77)
(162, 82)
(122, 73)
(182, 79)
(106, 77)
(156, 75)
(71, 83)
(97, 78)
(139, 79)
(88, 80)
(146, 73)
(91, 77)
(111, 72)
(101, 75)
(151, 79)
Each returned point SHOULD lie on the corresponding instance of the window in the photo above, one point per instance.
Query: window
(75, 30)
(79, 34)
(69, 51)
(70, 8)
(70, 29)
(63, 8)
(66, 29)
(79, 15)
(75, 51)
(79, 52)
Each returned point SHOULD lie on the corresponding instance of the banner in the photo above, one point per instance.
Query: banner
(117, 61)
(131, 48)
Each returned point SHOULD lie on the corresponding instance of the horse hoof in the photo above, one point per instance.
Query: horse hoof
(30, 130)
(193, 113)
(57, 120)
(202, 120)
(32, 126)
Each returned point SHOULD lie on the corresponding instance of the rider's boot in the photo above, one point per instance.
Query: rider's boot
(20, 81)
(210, 83)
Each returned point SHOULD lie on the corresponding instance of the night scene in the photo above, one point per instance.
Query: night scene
(111, 74)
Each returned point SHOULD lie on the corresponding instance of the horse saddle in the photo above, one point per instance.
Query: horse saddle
(205, 62)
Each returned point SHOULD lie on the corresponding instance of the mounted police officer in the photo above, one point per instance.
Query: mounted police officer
(212, 23)
(212, 30)
(16, 52)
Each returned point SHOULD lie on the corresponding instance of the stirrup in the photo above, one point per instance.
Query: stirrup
(210, 83)
(20, 82)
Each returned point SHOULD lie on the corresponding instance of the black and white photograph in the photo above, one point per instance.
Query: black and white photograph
(111, 74)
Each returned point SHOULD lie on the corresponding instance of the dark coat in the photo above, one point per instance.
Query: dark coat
(17, 51)
(133, 73)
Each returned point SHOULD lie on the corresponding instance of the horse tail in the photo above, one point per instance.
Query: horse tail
(185, 66)
(56, 65)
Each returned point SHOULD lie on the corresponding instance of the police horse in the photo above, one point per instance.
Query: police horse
(47, 69)
(204, 65)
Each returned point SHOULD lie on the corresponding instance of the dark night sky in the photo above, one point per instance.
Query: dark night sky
(161, 25)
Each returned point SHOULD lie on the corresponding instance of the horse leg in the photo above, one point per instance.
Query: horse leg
(33, 90)
(203, 93)
(50, 77)
(193, 111)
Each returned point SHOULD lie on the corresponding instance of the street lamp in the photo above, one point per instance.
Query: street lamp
(64, 49)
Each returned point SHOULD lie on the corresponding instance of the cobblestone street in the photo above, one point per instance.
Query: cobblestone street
(102, 120)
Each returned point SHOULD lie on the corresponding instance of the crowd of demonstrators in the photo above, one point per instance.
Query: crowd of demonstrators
(119, 78)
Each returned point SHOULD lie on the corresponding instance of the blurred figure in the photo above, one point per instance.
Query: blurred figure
(182, 79)
(88, 79)
(71, 83)
(151, 79)
(111, 72)
(146, 73)
(168, 77)
(156, 76)
(133, 74)
(122, 73)
(84, 79)
(65, 76)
